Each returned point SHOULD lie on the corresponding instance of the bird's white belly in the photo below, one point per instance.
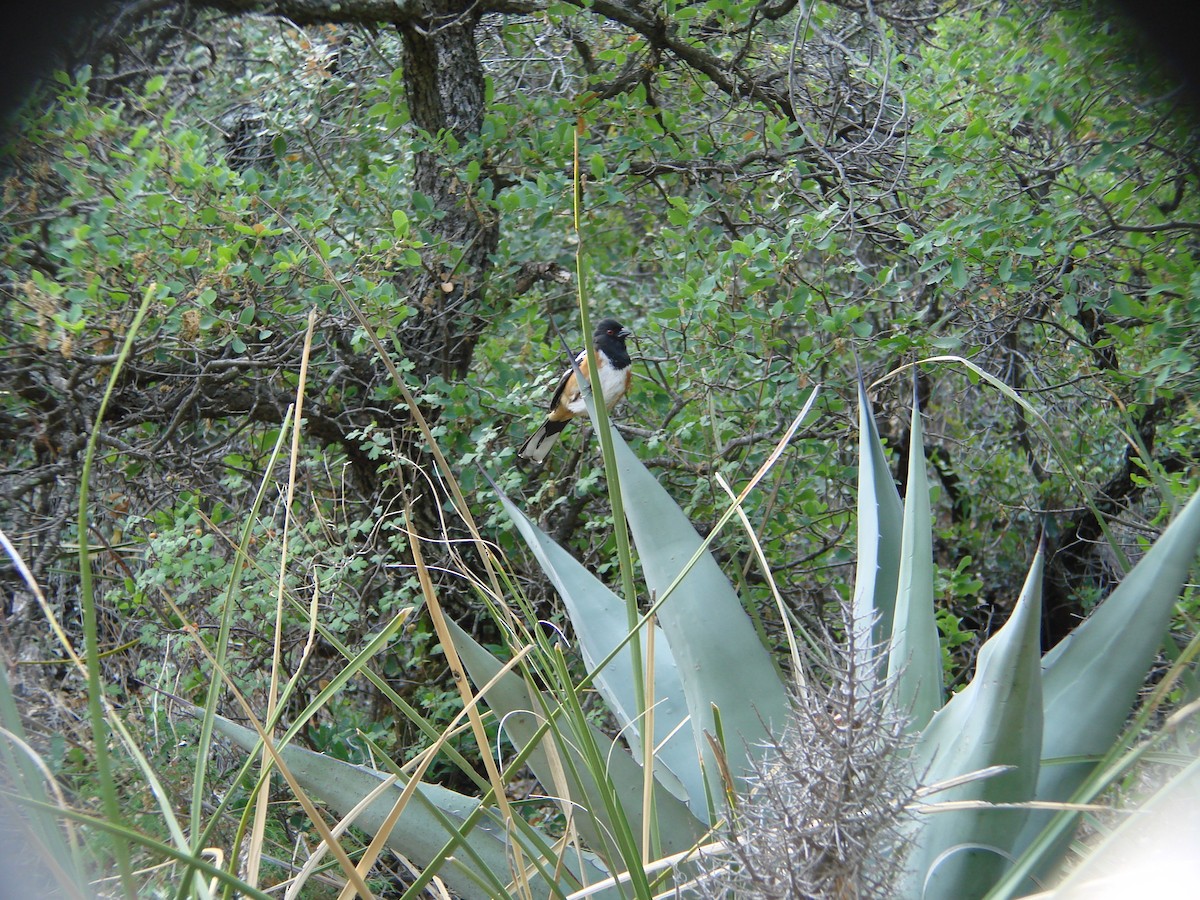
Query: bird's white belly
(612, 385)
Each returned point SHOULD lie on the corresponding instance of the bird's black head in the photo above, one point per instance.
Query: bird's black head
(610, 340)
(611, 328)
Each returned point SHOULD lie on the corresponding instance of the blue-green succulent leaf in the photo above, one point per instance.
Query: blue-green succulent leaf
(1151, 853)
(996, 720)
(1092, 677)
(420, 833)
(601, 623)
(522, 712)
(880, 525)
(720, 659)
(915, 655)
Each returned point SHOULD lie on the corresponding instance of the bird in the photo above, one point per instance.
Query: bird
(616, 372)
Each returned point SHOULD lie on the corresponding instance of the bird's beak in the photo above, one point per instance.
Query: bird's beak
(624, 333)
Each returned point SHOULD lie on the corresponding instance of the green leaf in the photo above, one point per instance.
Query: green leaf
(434, 816)
(996, 720)
(522, 712)
(958, 274)
(915, 656)
(721, 661)
(880, 525)
(862, 328)
(601, 625)
(596, 164)
(1093, 676)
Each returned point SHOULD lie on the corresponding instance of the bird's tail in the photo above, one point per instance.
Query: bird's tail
(539, 443)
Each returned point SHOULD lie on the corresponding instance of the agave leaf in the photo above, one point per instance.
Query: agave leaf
(880, 525)
(433, 816)
(601, 624)
(522, 714)
(720, 659)
(1092, 677)
(996, 720)
(915, 655)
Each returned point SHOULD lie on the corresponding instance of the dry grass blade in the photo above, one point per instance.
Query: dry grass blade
(258, 829)
(468, 697)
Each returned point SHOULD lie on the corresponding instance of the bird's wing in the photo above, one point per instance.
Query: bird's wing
(567, 388)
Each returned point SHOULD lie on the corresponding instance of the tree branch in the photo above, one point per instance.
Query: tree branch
(662, 36)
(321, 12)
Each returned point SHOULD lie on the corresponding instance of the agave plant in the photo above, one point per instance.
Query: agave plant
(1029, 729)
(697, 701)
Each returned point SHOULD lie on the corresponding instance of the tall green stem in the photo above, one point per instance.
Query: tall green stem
(611, 477)
(91, 628)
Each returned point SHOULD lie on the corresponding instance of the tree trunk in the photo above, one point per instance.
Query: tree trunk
(444, 82)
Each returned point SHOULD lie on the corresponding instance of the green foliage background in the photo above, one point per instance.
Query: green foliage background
(1010, 183)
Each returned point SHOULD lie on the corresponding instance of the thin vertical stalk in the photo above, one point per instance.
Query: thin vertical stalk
(254, 856)
(91, 638)
(217, 684)
(611, 476)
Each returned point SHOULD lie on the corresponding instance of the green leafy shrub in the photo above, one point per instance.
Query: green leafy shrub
(1077, 286)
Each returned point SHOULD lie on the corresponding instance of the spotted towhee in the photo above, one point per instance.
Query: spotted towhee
(567, 403)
